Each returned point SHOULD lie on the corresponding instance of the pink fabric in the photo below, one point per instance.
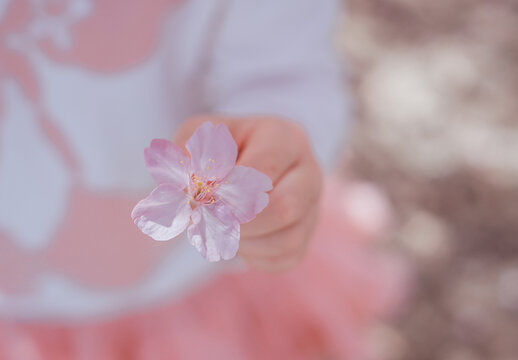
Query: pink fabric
(321, 309)
(106, 42)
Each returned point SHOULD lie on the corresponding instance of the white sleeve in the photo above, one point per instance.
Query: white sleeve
(276, 57)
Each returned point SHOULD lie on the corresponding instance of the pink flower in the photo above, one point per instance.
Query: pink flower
(207, 194)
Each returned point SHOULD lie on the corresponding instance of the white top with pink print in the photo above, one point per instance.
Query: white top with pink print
(84, 87)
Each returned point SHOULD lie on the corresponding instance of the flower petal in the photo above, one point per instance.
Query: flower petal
(167, 163)
(213, 151)
(244, 191)
(164, 214)
(214, 232)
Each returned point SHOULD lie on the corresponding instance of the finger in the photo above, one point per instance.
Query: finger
(284, 243)
(272, 147)
(296, 192)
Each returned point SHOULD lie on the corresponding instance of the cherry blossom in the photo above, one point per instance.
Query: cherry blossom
(206, 193)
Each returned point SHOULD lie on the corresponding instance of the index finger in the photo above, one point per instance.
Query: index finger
(272, 147)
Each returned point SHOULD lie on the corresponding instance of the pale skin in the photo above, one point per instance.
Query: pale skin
(276, 240)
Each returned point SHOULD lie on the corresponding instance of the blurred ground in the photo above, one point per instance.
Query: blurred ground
(435, 90)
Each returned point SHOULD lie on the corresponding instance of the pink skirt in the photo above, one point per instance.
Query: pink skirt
(321, 309)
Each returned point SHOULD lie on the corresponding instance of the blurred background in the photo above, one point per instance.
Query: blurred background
(435, 90)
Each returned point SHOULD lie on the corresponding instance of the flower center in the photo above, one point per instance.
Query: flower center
(201, 190)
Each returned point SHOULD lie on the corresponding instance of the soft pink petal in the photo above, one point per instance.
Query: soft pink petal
(167, 163)
(164, 214)
(213, 151)
(214, 232)
(244, 191)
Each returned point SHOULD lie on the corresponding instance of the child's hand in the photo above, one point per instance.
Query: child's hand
(277, 238)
